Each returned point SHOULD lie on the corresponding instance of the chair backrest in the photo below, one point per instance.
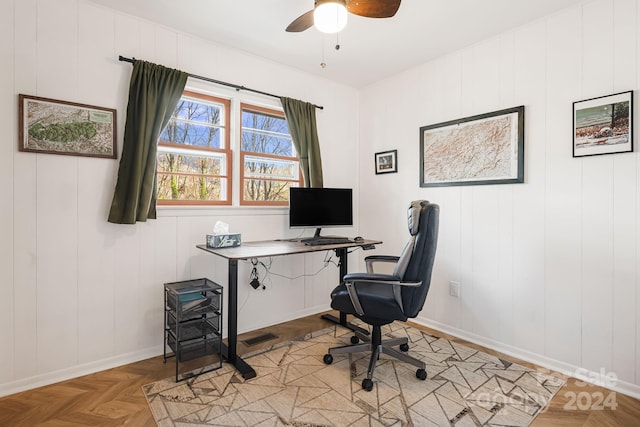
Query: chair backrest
(416, 261)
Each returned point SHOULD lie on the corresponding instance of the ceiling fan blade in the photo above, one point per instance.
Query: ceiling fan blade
(301, 23)
(373, 8)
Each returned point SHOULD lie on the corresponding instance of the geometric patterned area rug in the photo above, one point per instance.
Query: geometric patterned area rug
(293, 387)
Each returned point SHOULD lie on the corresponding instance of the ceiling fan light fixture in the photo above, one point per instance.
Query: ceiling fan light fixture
(330, 16)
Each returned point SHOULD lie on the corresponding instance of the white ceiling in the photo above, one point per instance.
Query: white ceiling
(371, 49)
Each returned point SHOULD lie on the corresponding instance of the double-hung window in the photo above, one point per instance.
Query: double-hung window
(194, 153)
(268, 160)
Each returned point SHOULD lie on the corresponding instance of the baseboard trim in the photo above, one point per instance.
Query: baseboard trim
(566, 369)
(123, 359)
(558, 366)
(77, 371)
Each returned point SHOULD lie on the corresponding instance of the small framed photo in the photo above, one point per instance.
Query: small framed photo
(603, 125)
(61, 127)
(387, 162)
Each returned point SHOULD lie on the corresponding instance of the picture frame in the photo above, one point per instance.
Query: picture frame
(53, 126)
(477, 150)
(386, 162)
(603, 125)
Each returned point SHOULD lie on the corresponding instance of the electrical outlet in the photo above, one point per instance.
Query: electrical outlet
(454, 289)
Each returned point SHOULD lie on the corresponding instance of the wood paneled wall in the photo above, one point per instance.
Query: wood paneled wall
(549, 270)
(78, 294)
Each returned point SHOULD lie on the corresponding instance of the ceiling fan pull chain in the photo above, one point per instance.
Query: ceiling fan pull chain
(337, 41)
(323, 64)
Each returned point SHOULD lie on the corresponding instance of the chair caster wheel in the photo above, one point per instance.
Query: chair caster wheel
(328, 360)
(421, 374)
(367, 384)
(404, 347)
(355, 340)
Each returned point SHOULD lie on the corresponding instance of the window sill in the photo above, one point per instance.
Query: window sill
(219, 211)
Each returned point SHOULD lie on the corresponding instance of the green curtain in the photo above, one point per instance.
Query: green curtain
(301, 118)
(154, 92)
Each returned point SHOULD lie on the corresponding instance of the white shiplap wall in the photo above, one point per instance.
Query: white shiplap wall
(78, 294)
(549, 269)
(6, 193)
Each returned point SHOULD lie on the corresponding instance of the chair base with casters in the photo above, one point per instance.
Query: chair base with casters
(376, 346)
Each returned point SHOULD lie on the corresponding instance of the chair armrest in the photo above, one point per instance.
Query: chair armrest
(383, 258)
(382, 279)
(370, 277)
(371, 259)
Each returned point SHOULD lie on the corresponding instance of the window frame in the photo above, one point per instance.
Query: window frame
(227, 151)
(245, 106)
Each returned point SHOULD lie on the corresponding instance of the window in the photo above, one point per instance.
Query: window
(194, 155)
(268, 160)
(194, 162)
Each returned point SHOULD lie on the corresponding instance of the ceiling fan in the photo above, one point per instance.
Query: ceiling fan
(330, 16)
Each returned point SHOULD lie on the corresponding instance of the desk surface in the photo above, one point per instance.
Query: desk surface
(267, 248)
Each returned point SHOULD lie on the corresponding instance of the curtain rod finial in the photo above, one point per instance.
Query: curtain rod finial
(125, 59)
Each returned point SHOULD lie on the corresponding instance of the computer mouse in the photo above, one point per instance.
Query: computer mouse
(358, 239)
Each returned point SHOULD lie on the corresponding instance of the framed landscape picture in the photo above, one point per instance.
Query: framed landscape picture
(61, 127)
(603, 125)
(483, 149)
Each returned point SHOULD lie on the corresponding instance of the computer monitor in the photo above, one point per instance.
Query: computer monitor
(320, 207)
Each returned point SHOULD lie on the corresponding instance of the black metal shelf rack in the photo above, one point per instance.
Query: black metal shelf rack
(193, 326)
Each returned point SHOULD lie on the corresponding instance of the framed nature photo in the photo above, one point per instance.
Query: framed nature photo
(603, 125)
(387, 162)
(483, 149)
(61, 127)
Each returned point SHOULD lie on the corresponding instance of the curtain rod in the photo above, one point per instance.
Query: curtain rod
(218, 82)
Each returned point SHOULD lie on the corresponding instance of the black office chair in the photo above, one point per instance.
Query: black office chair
(381, 299)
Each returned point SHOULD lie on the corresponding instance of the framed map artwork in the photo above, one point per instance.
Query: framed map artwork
(61, 127)
(483, 149)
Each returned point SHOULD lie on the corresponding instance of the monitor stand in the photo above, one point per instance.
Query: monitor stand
(317, 237)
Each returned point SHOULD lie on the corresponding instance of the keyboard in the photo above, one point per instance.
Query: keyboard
(327, 241)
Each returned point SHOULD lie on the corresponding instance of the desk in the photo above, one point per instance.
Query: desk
(269, 248)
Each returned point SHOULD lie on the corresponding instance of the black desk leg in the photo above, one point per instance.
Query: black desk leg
(342, 321)
(229, 352)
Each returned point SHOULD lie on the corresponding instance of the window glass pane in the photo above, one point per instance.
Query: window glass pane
(178, 132)
(190, 110)
(265, 133)
(256, 120)
(170, 162)
(197, 124)
(258, 142)
(263, 190)
(257, 167)
(190, 187)
(188, 177)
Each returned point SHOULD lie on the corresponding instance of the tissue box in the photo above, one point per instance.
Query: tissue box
(223, 240)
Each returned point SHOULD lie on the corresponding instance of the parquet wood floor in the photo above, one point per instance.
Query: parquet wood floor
(114, 397)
